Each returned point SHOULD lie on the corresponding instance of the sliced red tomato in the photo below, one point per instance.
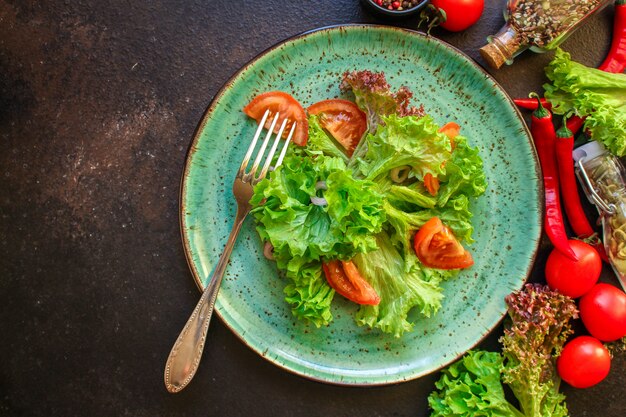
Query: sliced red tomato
(451, 130)
(437, 247)
(287, 107)
(431, 183)
(343, 120)
(345, 278)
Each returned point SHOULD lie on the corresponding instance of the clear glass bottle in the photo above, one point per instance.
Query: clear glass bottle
(538, 25)
(603, 178)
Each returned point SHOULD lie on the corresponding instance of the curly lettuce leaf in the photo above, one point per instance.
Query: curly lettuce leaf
(405, 141)
(401, 287)
(303, 233)
(472, 387)
(309, 294)
(539, 327)
(368, 217)
(373, 95)
(412, 195)
(464, 173)
(320, 142)
(588, 92)
(394, 270)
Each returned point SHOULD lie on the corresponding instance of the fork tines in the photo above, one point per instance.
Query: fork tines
(250, 176)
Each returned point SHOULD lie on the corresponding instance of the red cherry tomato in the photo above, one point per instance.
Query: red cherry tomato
(344, 277)
(603, 312)
(584, 362)
(460, 14)
(574, 278)
(287, 106)
(437, 247)
(343, 119)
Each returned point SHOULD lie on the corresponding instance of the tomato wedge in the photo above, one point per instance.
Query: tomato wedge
(287, 107)
(343, 120)
(431, 183)
(345, 278)
(451, 130)
(436, 247)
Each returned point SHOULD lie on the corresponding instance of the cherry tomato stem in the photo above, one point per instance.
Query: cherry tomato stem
(458, 15)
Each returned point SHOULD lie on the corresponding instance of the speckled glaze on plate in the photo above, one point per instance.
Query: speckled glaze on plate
(507, 218)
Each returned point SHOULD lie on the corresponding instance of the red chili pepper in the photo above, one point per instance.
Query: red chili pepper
(567, 181)
(531, 103)
(574, 124)
(544, 136)
(615, 61)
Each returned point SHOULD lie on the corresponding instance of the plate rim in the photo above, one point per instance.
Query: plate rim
(205, 118)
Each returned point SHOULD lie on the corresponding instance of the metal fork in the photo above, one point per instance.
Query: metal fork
(184, 358)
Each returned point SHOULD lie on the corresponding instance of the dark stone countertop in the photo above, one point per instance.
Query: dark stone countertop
(98, 104)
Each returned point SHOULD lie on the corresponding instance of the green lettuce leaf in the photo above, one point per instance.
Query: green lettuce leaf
(588, 92)
(472, 387)
(373, 95)
(401, 287)
(367, 217)
(309, 294)
(320, 142)
(303, 233)
(405, 141)
(464, 173)
(537, 327)
(394, 270)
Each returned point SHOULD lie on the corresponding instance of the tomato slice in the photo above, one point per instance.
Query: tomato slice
(451, 130)
(436, 247)
(343, 120)
(431, 183)
(287, 107)
(345, 278)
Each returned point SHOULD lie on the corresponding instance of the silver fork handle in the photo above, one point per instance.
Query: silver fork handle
(184, 358)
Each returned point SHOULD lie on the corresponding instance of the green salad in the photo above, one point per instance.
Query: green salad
(376, 213)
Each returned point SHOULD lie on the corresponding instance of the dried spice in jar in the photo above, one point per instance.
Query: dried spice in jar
(538, 25)
(603, 178)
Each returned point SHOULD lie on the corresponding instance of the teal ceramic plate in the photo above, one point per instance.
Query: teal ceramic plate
(507, 218)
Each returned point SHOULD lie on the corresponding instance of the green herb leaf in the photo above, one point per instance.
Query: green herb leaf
(588, 92)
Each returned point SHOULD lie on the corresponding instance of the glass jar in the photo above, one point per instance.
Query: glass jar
(538, 25)
(603, 178)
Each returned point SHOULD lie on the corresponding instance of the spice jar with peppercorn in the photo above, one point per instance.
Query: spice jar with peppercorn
(538, 25)
(397, 8)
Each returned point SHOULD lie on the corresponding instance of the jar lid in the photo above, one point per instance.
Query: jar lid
(501, 47)
(493, 55)
(589, 151)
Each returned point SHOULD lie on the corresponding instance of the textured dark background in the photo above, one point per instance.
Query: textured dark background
(98, 104)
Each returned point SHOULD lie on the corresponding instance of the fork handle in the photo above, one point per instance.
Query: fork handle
(184, 358)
